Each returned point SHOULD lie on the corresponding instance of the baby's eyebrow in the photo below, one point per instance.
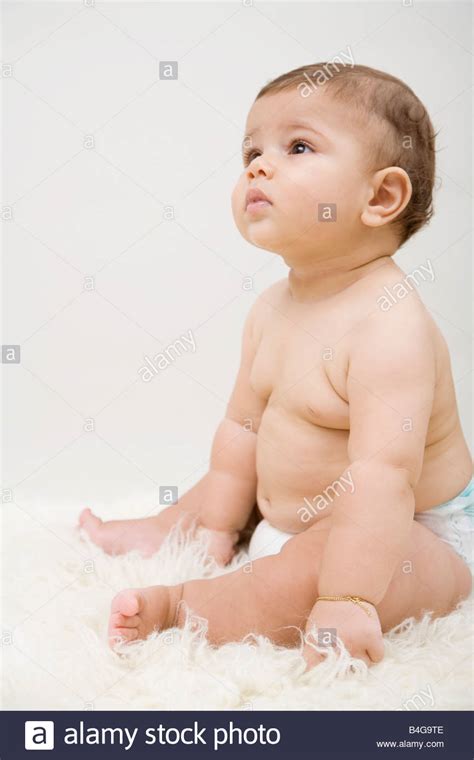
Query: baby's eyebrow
(290, 125)
(304, 125)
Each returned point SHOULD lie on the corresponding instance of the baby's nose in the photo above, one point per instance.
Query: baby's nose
(259, 167)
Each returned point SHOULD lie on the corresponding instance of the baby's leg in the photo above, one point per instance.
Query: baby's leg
(274, 595)
(147, 533)
(261, 597)
(431, 577)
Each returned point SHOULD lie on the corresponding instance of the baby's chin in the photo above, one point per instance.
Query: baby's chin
(273, 243)
(267, 237)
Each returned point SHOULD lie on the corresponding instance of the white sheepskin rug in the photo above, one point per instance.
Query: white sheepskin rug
(57, 592)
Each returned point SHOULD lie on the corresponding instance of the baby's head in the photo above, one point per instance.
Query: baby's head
(346, 157)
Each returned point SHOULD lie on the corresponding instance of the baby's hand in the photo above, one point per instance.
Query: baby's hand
(361, 634)
(221, 543)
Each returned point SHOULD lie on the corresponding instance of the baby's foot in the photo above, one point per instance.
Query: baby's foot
(136, 612)
(121, 536)
(221, 543)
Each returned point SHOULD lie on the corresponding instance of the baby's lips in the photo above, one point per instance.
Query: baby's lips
(254, 195)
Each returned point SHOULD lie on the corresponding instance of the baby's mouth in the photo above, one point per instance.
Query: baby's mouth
(256, 201)
(256, 206)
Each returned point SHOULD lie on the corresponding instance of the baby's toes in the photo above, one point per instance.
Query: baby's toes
(124, 622)
(117, 620)
(126, 602)
(121, 635)
(90, 523)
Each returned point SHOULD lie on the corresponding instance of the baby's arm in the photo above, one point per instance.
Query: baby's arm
(390, 390)
(229, 492)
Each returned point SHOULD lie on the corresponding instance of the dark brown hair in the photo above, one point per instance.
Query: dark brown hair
(405, 136)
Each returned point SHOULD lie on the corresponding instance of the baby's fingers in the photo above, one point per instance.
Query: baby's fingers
(376, 649)
(311, 657)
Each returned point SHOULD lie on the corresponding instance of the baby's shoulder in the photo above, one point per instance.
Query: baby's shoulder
(395, 300)
(260, 312)
(274, 293)
(268, 300)
(402, 332)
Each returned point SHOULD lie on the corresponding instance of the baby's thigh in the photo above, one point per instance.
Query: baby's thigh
(272, 596)
(300, 560)
(429, 576)
(289, 579)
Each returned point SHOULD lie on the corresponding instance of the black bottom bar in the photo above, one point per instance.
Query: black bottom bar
(140, 734)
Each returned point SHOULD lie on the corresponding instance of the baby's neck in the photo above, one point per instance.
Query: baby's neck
(316, 281)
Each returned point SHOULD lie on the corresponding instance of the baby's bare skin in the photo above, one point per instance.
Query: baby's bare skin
(302, 439)
(302, 432)
(306, 421)
(331, 388)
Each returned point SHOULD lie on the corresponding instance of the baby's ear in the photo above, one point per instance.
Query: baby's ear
(390, 191)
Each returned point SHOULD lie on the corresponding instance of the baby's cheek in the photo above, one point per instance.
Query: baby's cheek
(237, 200)
(351, 191)
(304, 209)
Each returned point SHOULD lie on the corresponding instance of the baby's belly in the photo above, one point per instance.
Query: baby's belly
(300, 471)
(299, 466)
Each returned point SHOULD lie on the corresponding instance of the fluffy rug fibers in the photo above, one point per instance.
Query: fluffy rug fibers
(57, 592)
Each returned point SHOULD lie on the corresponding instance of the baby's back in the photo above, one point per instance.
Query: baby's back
(313, 359)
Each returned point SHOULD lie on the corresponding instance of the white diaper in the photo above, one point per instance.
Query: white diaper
(452, 521)
(267, 540)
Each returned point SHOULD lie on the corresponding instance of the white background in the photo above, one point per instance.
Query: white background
(98, 212)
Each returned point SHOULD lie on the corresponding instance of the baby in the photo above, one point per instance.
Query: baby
(341, 441)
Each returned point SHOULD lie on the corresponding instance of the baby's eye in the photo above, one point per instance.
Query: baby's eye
(249, 156)
(295, 149)
(296, 144)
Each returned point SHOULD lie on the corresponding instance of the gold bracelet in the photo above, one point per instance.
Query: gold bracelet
(355, 599)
